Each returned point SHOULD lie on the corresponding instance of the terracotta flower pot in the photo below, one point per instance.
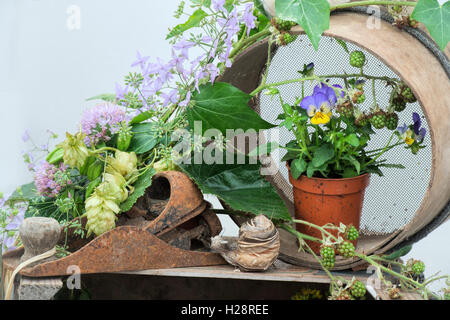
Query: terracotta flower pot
(321, 201)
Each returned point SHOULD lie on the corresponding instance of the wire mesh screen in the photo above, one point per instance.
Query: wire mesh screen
(390, 201)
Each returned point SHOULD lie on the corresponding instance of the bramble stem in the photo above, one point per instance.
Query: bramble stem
(372, 2)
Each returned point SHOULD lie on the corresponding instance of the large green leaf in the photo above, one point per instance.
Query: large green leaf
(142, 183)
(193, 21)
(436, 18)
(312, 15)
(25, 193)
(222, 106)
(144, 139)
(241, 186)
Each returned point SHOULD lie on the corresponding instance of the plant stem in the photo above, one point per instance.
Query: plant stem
(318, 78)
(372, 2)
(242, 44)
(299, 234)
(383, 151)
(315, 226)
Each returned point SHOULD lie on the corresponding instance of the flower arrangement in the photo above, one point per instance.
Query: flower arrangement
(100, 171)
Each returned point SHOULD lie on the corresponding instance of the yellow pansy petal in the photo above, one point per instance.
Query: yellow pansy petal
(320, 118)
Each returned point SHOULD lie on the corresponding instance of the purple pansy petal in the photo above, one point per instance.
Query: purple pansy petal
(417, 122)
(320, 99)
(402, 129)
(307, 102)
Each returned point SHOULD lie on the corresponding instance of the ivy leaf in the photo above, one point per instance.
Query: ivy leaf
(436, 18)
(222, 106)
(312, 15)
(241, 186)
(142, 183)
(193, 21)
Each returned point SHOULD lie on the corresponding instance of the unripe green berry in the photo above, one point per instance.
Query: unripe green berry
(346, 249)
(358, 289)
(351, 233)
(357, 59)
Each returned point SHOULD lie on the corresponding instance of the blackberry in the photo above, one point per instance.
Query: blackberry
(344, 295)
(407, 94)
(361, 98)
(282, 25)
(345, 109)
(358, 289)
(378, 119)
(327, 252)
(351, 233)
(357, 59)
(391, 120)
(346, 249)
(362, 120)
(328, 263)
(418, 267)
(285, 38)
(398, 105)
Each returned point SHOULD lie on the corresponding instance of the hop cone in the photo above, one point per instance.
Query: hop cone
(124, 163)
(101, 213)
(75, 151)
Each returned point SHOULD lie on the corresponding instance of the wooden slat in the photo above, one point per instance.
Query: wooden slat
(279, 272)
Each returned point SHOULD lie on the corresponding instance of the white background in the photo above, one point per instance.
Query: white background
(48, 68)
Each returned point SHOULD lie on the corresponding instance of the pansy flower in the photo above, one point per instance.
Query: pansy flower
(406, 134)
(418, 131)
(318, 108)
(330, 92)
(413, 133)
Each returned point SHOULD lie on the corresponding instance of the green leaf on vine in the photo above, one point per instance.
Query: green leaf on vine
(240, 186)
(312, 15)
(436, 18)
(142, 183)
(222, 106)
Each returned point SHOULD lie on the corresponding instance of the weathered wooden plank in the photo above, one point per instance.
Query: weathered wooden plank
(279, 272)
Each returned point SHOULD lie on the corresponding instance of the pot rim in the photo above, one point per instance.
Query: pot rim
(361, 176)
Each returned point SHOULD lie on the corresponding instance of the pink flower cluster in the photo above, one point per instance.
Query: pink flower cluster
(101, 122)
(50, 180)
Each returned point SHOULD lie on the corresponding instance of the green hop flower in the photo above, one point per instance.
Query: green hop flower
(75, 151)
(357, 59)
(358, 289)
(346, 249)
(101, 213)
(124, 163)
(165, 165)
